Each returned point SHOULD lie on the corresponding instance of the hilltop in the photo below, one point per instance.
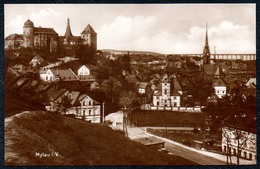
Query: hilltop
(67, 141)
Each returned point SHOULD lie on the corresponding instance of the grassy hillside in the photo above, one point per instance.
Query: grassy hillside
(67, 141)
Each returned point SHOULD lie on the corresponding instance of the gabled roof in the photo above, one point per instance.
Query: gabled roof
(54, 93)
(159, 93)
(38, 57)
(65, 74)
(159, 87)
(175, 93)
(88, 30)
(142, 85)
(82, 96)
(219, 82)
(14, 37)
(41, 30)
(251, 81)
(176, 85)
(216, 70)
(75, 65)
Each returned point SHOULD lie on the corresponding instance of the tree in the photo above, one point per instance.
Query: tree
(127, 100)
(234, 116)
(64, 104)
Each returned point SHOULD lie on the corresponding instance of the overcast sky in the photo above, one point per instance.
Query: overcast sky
(164, 28)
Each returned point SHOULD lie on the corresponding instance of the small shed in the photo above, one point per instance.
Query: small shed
(152, 142)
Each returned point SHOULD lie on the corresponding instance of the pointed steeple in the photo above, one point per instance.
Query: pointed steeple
(206, 41)
(206, 51)
(68, 33)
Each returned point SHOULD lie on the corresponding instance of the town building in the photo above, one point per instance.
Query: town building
(168, 93)
(232, 138)
(34, 37)
(220, 88)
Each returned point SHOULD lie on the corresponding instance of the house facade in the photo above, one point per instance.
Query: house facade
(220, 88)
(83, 71)
(167, 94)
(247, 143)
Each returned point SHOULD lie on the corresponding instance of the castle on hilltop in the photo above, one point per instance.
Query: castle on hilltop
(48, 38)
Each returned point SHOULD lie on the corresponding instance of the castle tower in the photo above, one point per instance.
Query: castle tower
(206, 51)
(28, 31)
(90, 38)
(68, 35)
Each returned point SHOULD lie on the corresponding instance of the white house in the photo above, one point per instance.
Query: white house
(83, 70)
(51, 75)
(36, 61)
(168, 93)
(88, 108)
(247, 142)
(48, 75)
(141, 88)
(220, 88)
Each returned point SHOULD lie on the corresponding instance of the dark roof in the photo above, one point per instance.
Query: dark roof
(248, 91)
(88, 30)
(149, 141)
(50, 31)
(65, 74)
(14, 37)
(218, 82)
(176, 85)
(175, 93)
(216, 70)
(28, 23)
(54, 93)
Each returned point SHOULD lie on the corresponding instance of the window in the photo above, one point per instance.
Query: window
(46, 77)
(89, 112)
(165, 91)
(89, 103)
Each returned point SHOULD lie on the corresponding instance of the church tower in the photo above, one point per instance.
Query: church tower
(68, 35)
(206, 51)
(28, 33)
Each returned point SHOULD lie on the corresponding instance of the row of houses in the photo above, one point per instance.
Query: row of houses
(79, 104)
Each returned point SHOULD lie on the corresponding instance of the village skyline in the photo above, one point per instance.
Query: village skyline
(166, 29)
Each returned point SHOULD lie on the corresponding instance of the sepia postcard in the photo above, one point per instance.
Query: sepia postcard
(130, 84)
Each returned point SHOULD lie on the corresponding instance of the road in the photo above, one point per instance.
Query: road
(193, 156)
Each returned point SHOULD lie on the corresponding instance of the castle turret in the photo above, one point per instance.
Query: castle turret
(90, 37)
(28, 31)
(206, 51)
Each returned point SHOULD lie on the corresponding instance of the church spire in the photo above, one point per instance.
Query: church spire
(206, 41)
(68, 33)
(206, 51)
